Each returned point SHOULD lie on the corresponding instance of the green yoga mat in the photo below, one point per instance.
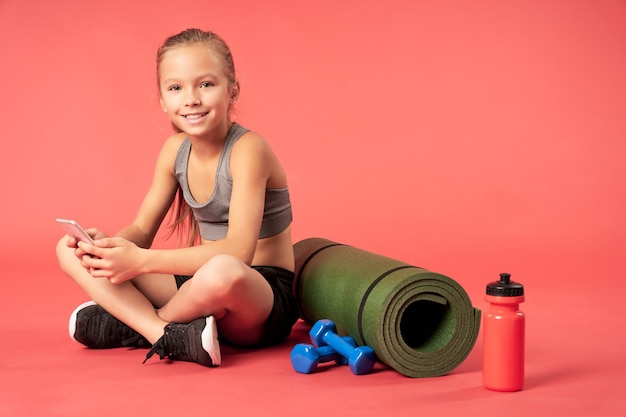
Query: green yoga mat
(420, 323)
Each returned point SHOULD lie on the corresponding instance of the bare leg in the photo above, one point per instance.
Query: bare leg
(237, 296)
(124, 301)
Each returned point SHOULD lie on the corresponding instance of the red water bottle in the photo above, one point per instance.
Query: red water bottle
(503, 336)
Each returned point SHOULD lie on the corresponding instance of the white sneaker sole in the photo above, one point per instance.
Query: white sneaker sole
(210, 342)
(72, 325)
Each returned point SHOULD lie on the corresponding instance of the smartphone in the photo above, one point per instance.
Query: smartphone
(74, 229)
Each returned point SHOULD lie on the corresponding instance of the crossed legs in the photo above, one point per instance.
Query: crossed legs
(237, 296)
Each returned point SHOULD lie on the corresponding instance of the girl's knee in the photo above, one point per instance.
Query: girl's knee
(223, 274)
(222, 265)
(68, 262)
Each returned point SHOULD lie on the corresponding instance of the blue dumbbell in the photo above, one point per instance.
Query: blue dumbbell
(305, 357)
(361, 359)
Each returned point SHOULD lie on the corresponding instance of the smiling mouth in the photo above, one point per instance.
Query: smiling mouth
(194, 116)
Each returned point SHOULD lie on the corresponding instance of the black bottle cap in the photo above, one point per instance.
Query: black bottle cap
(505, 287)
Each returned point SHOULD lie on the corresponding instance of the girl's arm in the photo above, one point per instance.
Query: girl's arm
(251, 164)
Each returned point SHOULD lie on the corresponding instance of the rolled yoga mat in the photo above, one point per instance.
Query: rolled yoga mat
(420, 323)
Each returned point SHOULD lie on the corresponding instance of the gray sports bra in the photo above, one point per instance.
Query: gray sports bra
(212, 216)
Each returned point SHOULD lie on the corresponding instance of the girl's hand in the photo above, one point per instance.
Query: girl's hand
(73, 243)
(113, 258)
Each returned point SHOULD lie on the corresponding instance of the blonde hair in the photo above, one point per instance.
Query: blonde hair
(180, 211)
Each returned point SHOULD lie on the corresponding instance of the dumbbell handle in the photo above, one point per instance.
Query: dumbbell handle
(305, 357)
(338, 343)
(327, 354)
(361, 359)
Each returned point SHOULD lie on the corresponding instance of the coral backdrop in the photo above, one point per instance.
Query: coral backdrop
(467, 138)
(470, 138)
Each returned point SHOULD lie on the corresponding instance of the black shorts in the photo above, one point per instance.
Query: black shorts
(284, 313)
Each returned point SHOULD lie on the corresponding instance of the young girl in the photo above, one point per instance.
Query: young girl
(232, 191)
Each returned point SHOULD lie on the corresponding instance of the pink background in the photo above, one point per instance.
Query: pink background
(470, 138)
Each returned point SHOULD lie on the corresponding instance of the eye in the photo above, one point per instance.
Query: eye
(206, 84)
(173, 88)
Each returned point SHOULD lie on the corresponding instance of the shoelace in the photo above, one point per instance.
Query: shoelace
(158, 347)
(166, 346)
(172, 344)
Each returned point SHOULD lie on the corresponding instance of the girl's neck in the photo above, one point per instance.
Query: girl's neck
(211, 143)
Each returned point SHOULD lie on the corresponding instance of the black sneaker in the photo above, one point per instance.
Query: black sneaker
(92, 326)
(192, 342)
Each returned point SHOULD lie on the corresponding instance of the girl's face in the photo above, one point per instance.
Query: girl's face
(195, 91)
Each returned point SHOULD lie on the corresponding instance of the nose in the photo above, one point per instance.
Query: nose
(192, 98)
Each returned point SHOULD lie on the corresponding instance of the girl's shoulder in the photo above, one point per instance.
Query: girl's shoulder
(173, 144)
(169, 151)
(251, 142)
(175, 140)
(252, 151)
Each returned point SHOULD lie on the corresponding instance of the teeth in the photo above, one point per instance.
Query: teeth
(194, 116)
